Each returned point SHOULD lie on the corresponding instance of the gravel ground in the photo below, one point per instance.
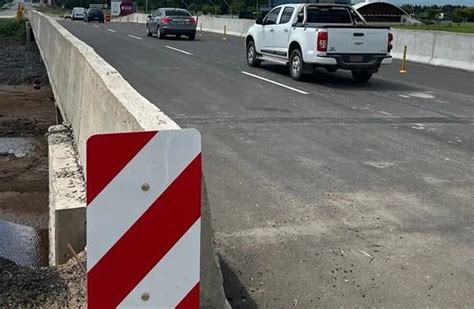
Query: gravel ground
(48, 287)
(19, 65)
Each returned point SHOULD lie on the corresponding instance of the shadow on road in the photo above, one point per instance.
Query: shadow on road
(342, 80)
(236, 293)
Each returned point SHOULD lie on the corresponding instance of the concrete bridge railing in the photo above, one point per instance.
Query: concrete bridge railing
(94, 98)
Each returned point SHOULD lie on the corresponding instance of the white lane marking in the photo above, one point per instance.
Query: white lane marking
(111, 30)
(96, 26)
(421, 95)
(135, 37)
(273, 82)
(366, 253)
(178, 50)
(403, 96)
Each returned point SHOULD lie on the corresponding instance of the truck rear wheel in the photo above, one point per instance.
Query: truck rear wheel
(296, 65)
(252, 55)
(361, 75)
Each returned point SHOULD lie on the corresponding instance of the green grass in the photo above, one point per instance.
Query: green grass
(445, 26)
(52, 10)
(12, 29)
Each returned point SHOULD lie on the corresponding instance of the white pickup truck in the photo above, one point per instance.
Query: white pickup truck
(307, 36)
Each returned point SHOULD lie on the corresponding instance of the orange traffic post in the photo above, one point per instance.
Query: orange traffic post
(403, 69)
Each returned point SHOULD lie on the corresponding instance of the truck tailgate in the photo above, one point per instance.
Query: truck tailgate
(357, 40)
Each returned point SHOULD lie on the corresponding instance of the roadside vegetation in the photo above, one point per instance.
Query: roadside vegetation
(12, 29)
(443, 26)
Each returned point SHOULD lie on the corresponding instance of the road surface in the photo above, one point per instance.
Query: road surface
(324, 193)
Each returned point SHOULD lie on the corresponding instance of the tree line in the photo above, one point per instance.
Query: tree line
(434, 13)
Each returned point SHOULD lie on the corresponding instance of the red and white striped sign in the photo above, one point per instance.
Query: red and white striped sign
(143, 219)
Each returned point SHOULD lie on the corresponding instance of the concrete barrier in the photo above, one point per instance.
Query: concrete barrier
(436, 48)
(236, 27)
(67, 193)
(429, 47)
(94, 98)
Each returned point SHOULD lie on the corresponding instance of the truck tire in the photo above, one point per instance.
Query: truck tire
(296, 65)
(361, 75)
(252, 55)
(192, 36)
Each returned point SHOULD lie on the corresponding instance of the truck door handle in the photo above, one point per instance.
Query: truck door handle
(271, 30)
(286, 30)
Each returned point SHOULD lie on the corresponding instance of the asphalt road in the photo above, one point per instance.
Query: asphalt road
(10, 12)
(324, 193)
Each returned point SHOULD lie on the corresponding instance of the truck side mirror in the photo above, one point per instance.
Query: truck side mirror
(259, 21)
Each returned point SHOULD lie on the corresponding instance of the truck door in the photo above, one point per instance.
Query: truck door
(282, 31)
(268, 31)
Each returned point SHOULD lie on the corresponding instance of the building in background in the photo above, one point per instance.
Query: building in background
(384, 13)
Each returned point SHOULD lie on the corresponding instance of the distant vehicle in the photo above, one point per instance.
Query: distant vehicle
(67, 15)
(307, 36)
(78, 13)
(94, 14)
(171, 21)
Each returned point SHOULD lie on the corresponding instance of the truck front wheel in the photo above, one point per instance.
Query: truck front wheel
(296, 65)
(361, 75)
(252, 55)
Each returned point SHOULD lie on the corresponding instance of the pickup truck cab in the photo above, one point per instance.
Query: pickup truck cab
(307, 36)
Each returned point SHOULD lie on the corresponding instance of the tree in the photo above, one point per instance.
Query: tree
(462, 14)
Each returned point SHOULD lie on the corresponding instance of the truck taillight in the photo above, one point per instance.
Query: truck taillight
(193, 21)
(390, 39)
(322, 44)
(166, 20)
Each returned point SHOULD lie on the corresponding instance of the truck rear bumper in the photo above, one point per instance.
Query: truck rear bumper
(347, 62)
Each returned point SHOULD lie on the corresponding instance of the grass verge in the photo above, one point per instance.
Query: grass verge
(449, 27)
(12, 29)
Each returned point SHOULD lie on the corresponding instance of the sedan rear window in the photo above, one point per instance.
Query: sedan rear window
(95, 11)
(176, 13)
(328, 16)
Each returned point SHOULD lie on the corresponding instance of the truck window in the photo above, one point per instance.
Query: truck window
(271, 18)
(286, 15)
(330, 15)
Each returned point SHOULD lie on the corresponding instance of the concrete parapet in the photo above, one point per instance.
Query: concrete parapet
(67, 191)
(94, 98)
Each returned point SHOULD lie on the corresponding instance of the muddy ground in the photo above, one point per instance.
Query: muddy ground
(26, 112)
(25, 115)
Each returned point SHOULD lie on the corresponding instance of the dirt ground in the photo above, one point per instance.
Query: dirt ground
(26, 112)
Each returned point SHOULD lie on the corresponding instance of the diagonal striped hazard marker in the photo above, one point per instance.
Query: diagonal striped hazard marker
(143, 219)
